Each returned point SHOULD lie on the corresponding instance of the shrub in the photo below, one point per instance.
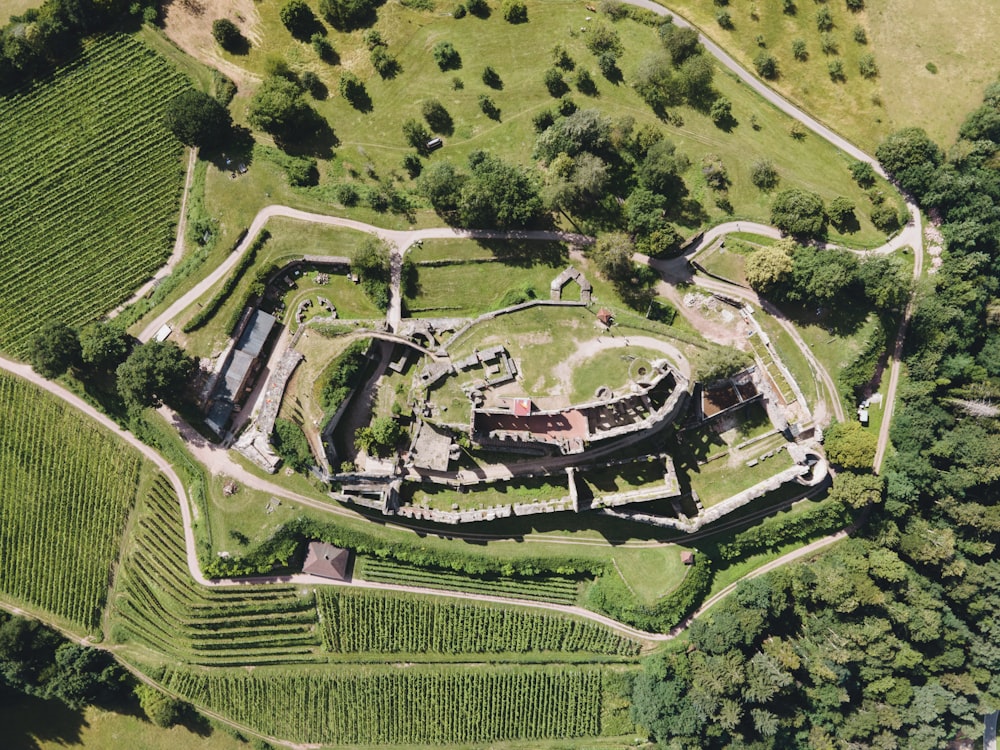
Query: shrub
(721, 111)
(867, 66)
(799, 50)
(291, 445)
(352, 89)
(298, 18)
(437, 116)
(416, 134)
(514, 11)
(607, 63)
(348, 14)
(763, 174)
(228, 35)
(836, 70)
(863, 174)
(788, 7)
(412, 164)
(824, 19)
(724, 19)
(446, 56)
(566, 106)
(459, 11)
(542, 121)
(585, 82)
(489, 107)
(828, 44)
(323, 48)
(885, 218)
(491, 78)
(161, 710)
(931, 68)
(855, 5)
(478, 8)
(860, 35)
(554, 82)
(797, 130)
(197, 119)
(561, 58)
(373, 38)
(385, 64)
(765, 65)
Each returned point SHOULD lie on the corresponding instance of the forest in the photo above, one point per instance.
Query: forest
(891, 639)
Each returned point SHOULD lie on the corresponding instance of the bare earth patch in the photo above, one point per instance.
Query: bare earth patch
(188, 24)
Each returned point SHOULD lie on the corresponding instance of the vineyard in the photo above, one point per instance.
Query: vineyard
(554, 590)
(90, 187)
(66, 488)
(403, 705)
(377, 622)
(159, 606)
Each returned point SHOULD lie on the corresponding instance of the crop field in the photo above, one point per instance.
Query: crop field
(66, 488)
(90, 187)
(394, 705)
(158, 606)
(555, 590)
(376, 622)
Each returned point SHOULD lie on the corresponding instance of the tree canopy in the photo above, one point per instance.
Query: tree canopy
(154, 373)
(54, 349)
(278, 108)
(798, 212)
(197, 119)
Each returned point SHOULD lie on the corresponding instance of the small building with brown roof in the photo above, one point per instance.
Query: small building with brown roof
(687, 557)
(327, 561)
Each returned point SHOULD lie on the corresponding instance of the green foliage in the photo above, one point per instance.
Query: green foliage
(353, 90)
(601, 38)
(836, 70)
(489, 107)
(768, 269)
(446, 56)
(377, 622)
(722, 362)
(680, 42)
(346, 15)
(857, 490)
(514, 11)
(444, 704)
(437, 116)
(371, 261)
(725, 19)
(763, 174)
(798, 212)
(104, 345)
(208, 311)
(323, 48)
(298, 18)
(53, 349)
(228, 35)
(867, 66)
(60, 478)
(850, 445)
(828, 517)
(278, 109)
(343, 375)
(291, 444)
(110, 101)
(379, 438)
(911, 157)
(721, 112)
(197, 119)
(498, 194)
(863, 173)
(154, 373)
(766, 65)
(799, 51)
(824, 18)
(416, 134)
(554, 82)
(861, 37)
(160, 708)
(491, 78)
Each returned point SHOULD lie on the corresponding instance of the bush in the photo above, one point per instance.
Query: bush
(459, 11)
(478, 8)
(298, 18)
(828, 44)
(861, 36)
(763, 174)
(489, 107)
(446, 56)
(721, 111)
(312, 83)
(566, 106)
(348, 14)
(724, 19)
(161, 710)
(228, 35)
(585, 83)
(197, 119)
(437, 116)
(863, 174)
(302, 171)
(885, 218)
(824, 19)
(561, 58)
(353, 90)
(514, 11)
(491, 78)
(384, 63)
(855, 5)
(850, 445)
(765, 65)
(554, 82)
(291, 445)
(867, 66)
(542, 120)
(413, 165)
(799, 51)
(323, 48)
(836, 70)
(343, 375)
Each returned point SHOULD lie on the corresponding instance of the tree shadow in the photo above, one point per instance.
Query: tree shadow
(360, 99)
(27, 722)
(526, 253)
(848, 224)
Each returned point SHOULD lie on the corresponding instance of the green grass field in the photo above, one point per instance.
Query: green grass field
(66, 489)
(91, 186)
(372, 142)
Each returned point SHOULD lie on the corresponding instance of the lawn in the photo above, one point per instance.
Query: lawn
(370, 145)
(718, 480)
(290, 239)
(470, 289)
(33, 724)
(440, 497)
(611, 368)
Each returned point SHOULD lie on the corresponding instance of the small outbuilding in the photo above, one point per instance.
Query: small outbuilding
(327, 561)
(687, 557)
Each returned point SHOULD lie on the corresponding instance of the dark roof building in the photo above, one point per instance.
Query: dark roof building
(256, 333)
(327, 561)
